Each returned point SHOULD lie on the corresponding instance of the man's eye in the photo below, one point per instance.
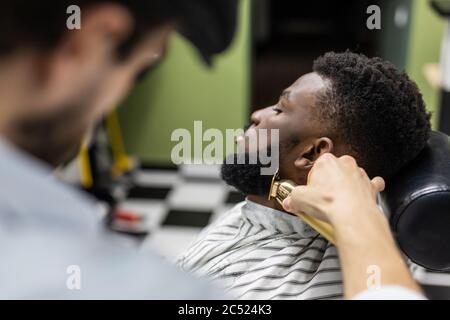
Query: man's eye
(277, 110)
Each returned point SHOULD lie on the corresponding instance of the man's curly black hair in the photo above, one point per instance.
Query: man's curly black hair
(373, 108)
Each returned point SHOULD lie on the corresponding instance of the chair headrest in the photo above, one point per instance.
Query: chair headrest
(418, 205)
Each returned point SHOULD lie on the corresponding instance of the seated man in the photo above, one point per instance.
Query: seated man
(351, 105)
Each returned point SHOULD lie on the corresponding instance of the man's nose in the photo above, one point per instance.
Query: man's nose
(258, 115)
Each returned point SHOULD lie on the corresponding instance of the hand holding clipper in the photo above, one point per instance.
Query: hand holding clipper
(281, 189)
(337, 191)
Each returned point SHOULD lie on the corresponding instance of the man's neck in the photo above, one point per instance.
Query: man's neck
(264, 201)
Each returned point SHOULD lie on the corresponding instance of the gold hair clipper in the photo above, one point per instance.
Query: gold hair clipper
(280, 190)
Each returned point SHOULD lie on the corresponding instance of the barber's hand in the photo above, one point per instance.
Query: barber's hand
(339, 192)
(337, 189)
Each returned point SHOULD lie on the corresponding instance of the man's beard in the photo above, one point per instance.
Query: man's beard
(247, 177)
(55, 137)
(52, 138)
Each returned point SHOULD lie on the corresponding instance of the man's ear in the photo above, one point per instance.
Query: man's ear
(312, 152)
(81, 55)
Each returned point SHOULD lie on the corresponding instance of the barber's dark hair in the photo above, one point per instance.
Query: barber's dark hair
(373, 108)
(41, 24)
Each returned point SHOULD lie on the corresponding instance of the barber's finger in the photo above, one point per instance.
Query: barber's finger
(298, 200)
(366, 178)
(378, 183)
(326, 157)
(348, 161)
(363, 173)
(305, 200)
(324, 162)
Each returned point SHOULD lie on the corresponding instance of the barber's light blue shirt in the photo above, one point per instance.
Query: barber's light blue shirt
(52, 245)
(389, 293)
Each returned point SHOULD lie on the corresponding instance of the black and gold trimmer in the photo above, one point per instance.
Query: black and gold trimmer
(281, 189)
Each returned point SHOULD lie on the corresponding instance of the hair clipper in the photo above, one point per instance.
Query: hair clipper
(280, 190)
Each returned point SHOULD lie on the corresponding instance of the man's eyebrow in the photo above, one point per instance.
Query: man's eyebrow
(285, 94)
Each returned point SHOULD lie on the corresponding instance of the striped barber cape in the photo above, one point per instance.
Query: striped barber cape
(256, 252)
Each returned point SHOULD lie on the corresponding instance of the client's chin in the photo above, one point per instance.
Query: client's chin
(246, 178)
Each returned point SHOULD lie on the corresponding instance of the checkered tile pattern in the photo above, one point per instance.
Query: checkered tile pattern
(178, 202)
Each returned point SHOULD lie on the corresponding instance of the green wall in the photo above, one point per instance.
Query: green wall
(182, 89)
(425, 47)
(393, 39)
(413, 46)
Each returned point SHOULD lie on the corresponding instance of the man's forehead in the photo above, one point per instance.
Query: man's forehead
(307, 84)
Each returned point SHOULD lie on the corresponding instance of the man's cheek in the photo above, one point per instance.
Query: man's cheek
(111, 93)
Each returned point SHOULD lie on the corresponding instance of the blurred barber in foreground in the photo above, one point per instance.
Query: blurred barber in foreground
(56, 84)
(340, 193)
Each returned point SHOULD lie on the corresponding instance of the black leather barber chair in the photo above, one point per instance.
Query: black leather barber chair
(417, 202)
